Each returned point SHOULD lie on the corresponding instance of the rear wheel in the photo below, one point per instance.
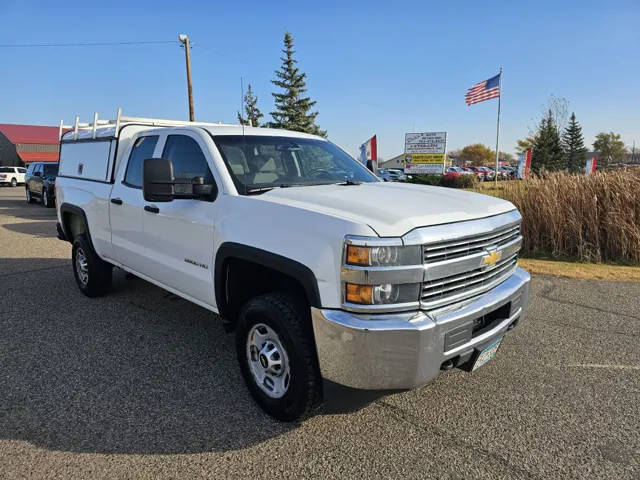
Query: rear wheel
(92, 274)
(275, 348)
(14, 182)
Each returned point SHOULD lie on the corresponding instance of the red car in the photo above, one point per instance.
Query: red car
(454, 172)
(483, 173)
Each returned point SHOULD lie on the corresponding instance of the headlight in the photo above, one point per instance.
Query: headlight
(383, 294)
(383, 256)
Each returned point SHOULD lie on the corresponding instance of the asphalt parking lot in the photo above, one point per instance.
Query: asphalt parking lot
(142, 384)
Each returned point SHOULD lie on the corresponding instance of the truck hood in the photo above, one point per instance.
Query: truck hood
(391, 209)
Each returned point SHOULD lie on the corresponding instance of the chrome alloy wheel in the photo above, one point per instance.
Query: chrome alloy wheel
(82, 267)
(268, 360)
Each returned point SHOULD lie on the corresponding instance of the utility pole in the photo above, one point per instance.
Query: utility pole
(495, 176)
(184, 40)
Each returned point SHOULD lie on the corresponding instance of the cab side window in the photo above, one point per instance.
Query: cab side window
(188, 161)
(142, 149)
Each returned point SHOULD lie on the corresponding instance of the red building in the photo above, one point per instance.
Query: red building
(23, 144)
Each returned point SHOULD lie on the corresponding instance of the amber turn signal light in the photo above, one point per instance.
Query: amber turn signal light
(362, 294)
(358, 255)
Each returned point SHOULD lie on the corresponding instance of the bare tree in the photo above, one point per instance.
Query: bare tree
(559, 107)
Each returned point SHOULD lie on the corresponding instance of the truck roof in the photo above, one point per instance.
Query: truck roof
(109, 131)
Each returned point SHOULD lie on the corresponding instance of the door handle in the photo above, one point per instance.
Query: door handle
(116, 201)
(152, 209)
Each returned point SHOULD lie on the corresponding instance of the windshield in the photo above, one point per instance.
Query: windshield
(50, 170)
(258, 163)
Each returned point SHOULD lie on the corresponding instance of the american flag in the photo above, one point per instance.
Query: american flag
(483, 91)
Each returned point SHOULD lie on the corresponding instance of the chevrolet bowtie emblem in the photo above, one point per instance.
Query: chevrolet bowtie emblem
(490, 259)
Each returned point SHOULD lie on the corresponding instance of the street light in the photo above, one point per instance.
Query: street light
(184, 41)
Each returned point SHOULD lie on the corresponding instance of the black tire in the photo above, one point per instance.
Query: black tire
(29, 196)
(14, 182)
(46, 200)
(290, 320)
(94, 276)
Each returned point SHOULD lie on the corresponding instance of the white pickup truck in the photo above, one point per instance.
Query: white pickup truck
(326, 272)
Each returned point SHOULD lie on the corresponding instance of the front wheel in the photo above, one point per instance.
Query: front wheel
(275, 349)
(93, 275)
(29, 197)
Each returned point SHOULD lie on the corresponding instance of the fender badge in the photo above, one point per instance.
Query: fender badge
(197, 264)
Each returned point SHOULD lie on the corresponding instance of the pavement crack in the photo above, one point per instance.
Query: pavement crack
(451, 440)
(44, 269)
(546, 294)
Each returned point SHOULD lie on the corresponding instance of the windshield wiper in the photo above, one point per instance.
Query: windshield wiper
(251, 191)
(349, 181)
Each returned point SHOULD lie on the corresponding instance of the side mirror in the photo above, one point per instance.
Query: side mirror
(37, 174)
(160, 185)
(157, 180)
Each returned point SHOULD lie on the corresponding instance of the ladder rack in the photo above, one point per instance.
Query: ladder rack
(120, 119)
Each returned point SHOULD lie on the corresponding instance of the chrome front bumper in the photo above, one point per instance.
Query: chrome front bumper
(405, 350)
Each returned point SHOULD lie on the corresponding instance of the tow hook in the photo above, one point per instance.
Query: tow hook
(446, 365)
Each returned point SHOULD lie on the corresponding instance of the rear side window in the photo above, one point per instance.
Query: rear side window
(50, 170)
(188, 160)
(142, 149)
(6, 170)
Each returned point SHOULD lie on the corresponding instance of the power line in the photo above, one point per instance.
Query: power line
(84, 44)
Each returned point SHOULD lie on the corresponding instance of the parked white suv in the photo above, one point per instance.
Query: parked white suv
(12, 176)
(324, 271)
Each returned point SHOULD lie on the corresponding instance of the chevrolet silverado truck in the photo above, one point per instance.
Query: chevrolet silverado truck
(325, 272)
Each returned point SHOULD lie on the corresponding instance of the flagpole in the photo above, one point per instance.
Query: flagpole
(495, 177)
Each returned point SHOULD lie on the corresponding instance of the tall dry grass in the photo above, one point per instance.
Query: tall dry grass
(592, 218)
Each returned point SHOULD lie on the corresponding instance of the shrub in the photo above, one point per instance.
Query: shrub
(589, 218)
(425, 179)
(461, 181)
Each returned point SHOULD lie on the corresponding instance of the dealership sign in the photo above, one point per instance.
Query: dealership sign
(425, 152)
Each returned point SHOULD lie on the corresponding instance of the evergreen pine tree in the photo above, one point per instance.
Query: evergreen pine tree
(292, 108)
(547, 148)
(253, 113)
(573, 144)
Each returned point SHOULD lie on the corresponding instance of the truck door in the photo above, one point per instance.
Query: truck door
(36, 180)
(180, 233)
(126, 204)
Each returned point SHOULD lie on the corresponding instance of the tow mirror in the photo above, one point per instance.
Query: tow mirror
(157, 180)
(160, 185)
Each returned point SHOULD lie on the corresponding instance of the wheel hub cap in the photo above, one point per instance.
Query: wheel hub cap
(81, 266)
(268, 360)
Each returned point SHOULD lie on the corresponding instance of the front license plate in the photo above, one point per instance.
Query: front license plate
(487, 354)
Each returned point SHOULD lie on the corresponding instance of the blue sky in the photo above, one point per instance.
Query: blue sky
(382, 68)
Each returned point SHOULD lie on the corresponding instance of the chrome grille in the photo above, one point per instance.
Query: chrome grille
(448, 290)
(437, 252)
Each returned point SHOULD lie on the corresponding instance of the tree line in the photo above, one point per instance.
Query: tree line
(293, 109)
(557, 143)
(558, 147)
